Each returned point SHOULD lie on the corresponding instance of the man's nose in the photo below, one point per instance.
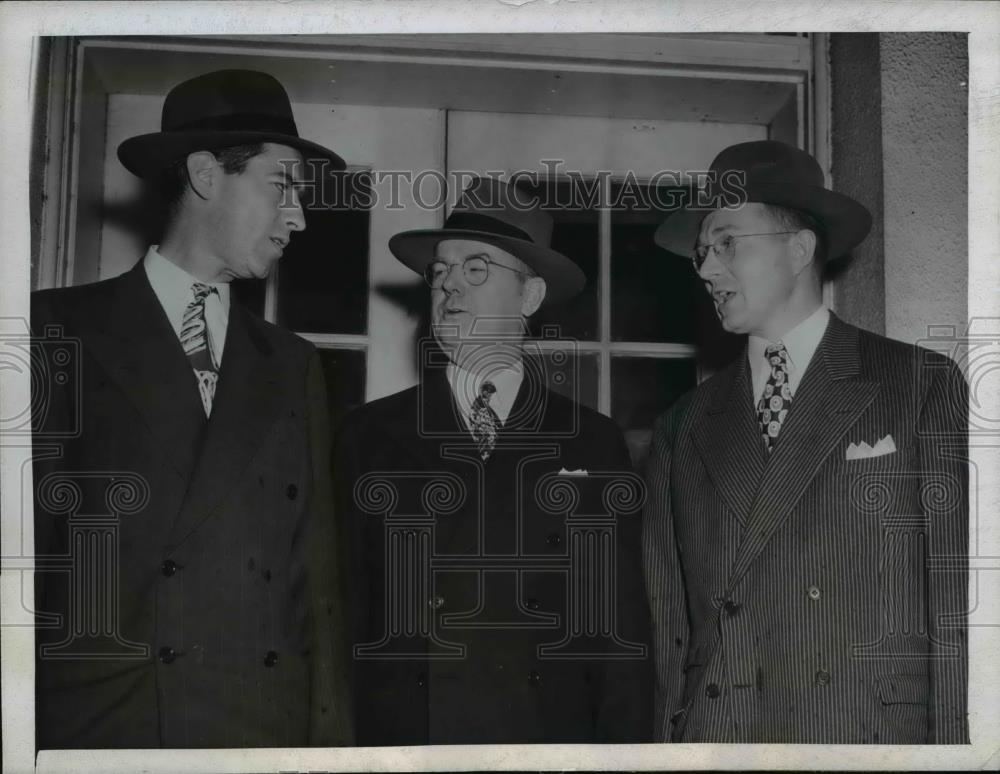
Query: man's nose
(711, 266)
(454, 279)
(294, 216)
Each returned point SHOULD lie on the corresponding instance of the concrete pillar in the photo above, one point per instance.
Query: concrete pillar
(900, 146)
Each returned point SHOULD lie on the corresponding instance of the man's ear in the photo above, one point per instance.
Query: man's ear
(532, 296)
(203, 170)
(803, 249)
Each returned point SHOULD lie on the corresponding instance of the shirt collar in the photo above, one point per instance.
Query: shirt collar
(800, 342)
(171, 281)
(465, 387)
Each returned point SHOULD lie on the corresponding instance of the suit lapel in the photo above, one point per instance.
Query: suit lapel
(729, 440)
(828, 401)
(139, 350)
(529, 411)
(247, 402)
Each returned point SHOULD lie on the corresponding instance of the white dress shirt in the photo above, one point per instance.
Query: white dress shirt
(173, 287)
(800, 342)
(465, 387)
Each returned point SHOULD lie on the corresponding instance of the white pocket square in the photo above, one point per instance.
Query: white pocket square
(862, 451)
(579, 472)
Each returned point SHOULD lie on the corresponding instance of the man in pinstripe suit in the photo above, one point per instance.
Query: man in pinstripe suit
(805, 537)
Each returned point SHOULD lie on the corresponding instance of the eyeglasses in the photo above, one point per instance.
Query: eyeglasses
(725, 247)
(475, 269)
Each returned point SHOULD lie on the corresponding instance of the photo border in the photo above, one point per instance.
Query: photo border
(21, 22)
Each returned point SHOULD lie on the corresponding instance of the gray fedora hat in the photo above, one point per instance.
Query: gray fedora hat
(771, 172)
(497, 213)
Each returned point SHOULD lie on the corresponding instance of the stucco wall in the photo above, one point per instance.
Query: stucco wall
(925, 154)
(900, 145)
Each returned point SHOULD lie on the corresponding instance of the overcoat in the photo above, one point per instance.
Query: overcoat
(814, 595)
(213, 615)
(497, 601)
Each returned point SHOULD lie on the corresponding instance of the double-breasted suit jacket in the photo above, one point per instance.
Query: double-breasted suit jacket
(466, 572)
(221, 623)
(809, 595)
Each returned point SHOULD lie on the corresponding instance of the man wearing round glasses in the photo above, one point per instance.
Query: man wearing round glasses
(803, 586)
(461, 493)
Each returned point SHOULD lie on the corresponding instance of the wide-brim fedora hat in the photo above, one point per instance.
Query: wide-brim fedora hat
(217, 110)
(769, 172)
(500, 214)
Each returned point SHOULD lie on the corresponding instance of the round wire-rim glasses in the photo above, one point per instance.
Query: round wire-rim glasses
(725, 247)
(475, 269)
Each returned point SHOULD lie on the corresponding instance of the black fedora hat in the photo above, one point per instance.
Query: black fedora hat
(497, 213)
(218, 110)
(770, 172)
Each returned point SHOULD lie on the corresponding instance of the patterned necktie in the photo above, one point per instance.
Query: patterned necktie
(194, 339)
(772, 409)
(484, 421)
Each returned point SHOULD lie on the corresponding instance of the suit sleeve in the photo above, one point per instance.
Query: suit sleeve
(626, 705)
(331, 710)
(664, 580)
(943, 433)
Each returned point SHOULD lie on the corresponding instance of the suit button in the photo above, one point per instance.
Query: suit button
(270, 658)
(534, 678)
(437, 602)
(167, 654)
(712, 691)
(823, 677)
(552, 539)
(421, 680)
(533, 604)
(292, 491)
(731, 608)
(814, 593)
(168, 568)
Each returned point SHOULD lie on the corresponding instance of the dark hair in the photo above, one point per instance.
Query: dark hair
(789, 219)
(174, 181)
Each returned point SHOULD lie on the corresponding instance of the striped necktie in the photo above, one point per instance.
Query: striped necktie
(772, 409)
(484, 421)
(194, 339)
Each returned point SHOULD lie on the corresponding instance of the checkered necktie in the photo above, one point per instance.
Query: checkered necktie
(484, 421)
(194, 339)
(772, 409)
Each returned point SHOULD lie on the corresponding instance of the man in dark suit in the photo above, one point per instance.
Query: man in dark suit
(498, 591)
(187, 505)
(805, 537)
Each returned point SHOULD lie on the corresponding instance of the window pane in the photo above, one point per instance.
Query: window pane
(573, 207)
(323, 275)
(344, 370)
(642, 389)
(573, 375)
(655, 296)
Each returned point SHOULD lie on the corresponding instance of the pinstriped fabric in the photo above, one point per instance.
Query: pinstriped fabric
(788, 594)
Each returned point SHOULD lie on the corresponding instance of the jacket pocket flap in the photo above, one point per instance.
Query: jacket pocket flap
(902, 689)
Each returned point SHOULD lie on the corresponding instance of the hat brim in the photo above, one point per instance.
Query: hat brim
(846, 222)
(147, 155)
(563, 278)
